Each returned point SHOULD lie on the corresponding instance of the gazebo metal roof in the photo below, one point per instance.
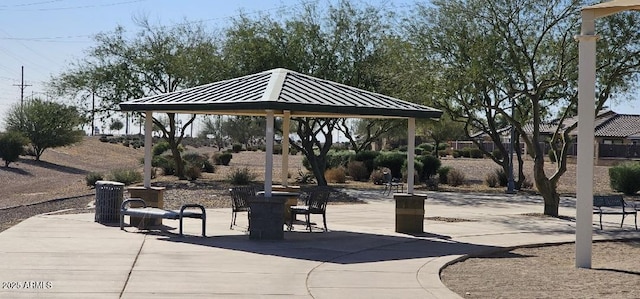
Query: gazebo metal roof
(281, 90)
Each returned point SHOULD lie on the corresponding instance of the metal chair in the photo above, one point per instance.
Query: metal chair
(390, 183)
(315, 202)
(239, 203)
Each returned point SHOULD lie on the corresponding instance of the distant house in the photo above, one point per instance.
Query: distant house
(616, 135)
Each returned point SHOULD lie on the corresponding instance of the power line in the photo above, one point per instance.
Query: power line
(76, 7)
(22, 87)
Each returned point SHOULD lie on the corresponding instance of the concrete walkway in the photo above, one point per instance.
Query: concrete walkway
(71, 256)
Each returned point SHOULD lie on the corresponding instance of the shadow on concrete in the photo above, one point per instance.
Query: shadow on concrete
(341, 247)
(491, 200)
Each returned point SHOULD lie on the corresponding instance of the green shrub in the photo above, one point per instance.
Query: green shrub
(160, 148)
(476, 153)
(418, 169)
(367, 158)
(336, 175)
(455, 177)
(497, 154)
(241, 176)
(427, 147)
(277, 149)
(194, 158)
(166, 163)
(358, 171)
(222, 158)
(391, 160)
(443, 173)
(11, 146)
(208, 167)
(236, 147)
(456, 154)
(337, 159)
(403, 148)
(430, 167)
(625, 178)
(126, 176)
(305, 177)
(92, 178)
(503, 178)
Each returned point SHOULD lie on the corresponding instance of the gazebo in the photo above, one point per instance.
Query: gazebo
(280, 93)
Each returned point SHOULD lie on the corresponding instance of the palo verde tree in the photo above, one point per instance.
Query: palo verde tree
(155, 60)
(490, 54)
(338, 43)
(46, 124)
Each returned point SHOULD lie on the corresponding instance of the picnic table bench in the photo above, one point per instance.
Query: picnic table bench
(151, 212)
(614, 205)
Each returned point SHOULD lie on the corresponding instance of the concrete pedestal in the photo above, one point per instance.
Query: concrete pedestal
(409, 212)
(154, 197)
(265, 222)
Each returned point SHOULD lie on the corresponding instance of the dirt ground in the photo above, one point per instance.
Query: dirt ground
(546, 272)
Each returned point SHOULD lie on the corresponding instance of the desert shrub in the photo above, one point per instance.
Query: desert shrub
(367, 158)
(194, 158)
(126, 176)
(241, 176)
(208, 167)
(236, 147)
(431, 184)
(455, 177)
(391, 160)
(293, 151)
(336, 175)
(305, 177)
(476, 153)
(193, 171)
(456, 154)
(492, 180)
(160, 148)
(625, 178)
(442, 174)
(430, 166)
(165, 163)
(11, 146)
(337, 159)
(222, 158)
(503, 178)
(403, 148)
(277, 149)
(357, 170)
(417, 167)
(377, 176)
(443, 153)
(497, 154)
(526, 184)
(426, 147)
(92, 178)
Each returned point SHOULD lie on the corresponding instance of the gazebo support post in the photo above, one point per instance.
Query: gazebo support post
(268, 166)
(148, 144)
(586, 112)
(411, 153)
(285, 148)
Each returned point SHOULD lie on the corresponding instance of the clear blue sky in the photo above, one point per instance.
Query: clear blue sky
(45, 35)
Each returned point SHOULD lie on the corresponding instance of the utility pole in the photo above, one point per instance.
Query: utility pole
(22, 87)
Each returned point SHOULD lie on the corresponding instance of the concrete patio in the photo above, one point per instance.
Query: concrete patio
(71, 256)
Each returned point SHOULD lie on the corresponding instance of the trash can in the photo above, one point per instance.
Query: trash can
(108, 200)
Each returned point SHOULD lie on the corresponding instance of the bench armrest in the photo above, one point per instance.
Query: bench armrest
(191, 205)
(123, 206)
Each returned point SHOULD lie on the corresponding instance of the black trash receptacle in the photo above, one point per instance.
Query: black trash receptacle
(108, 200)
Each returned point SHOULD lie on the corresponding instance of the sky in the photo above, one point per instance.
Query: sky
(45, 36)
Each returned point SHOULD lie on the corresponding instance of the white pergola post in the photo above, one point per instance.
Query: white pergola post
(586, 112)
(285, 148)
(148, 144)
(411, 153)
(268, 166)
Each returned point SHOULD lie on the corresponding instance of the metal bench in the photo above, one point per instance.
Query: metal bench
(614, 205)
(150, 212)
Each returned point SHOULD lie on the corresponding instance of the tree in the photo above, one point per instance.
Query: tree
(368, 131)
(45, 124)
(490, 54)
(11, 146)
(245, 129)
(213, 129)
(158, 59)
(116, 125)
(442, 131)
